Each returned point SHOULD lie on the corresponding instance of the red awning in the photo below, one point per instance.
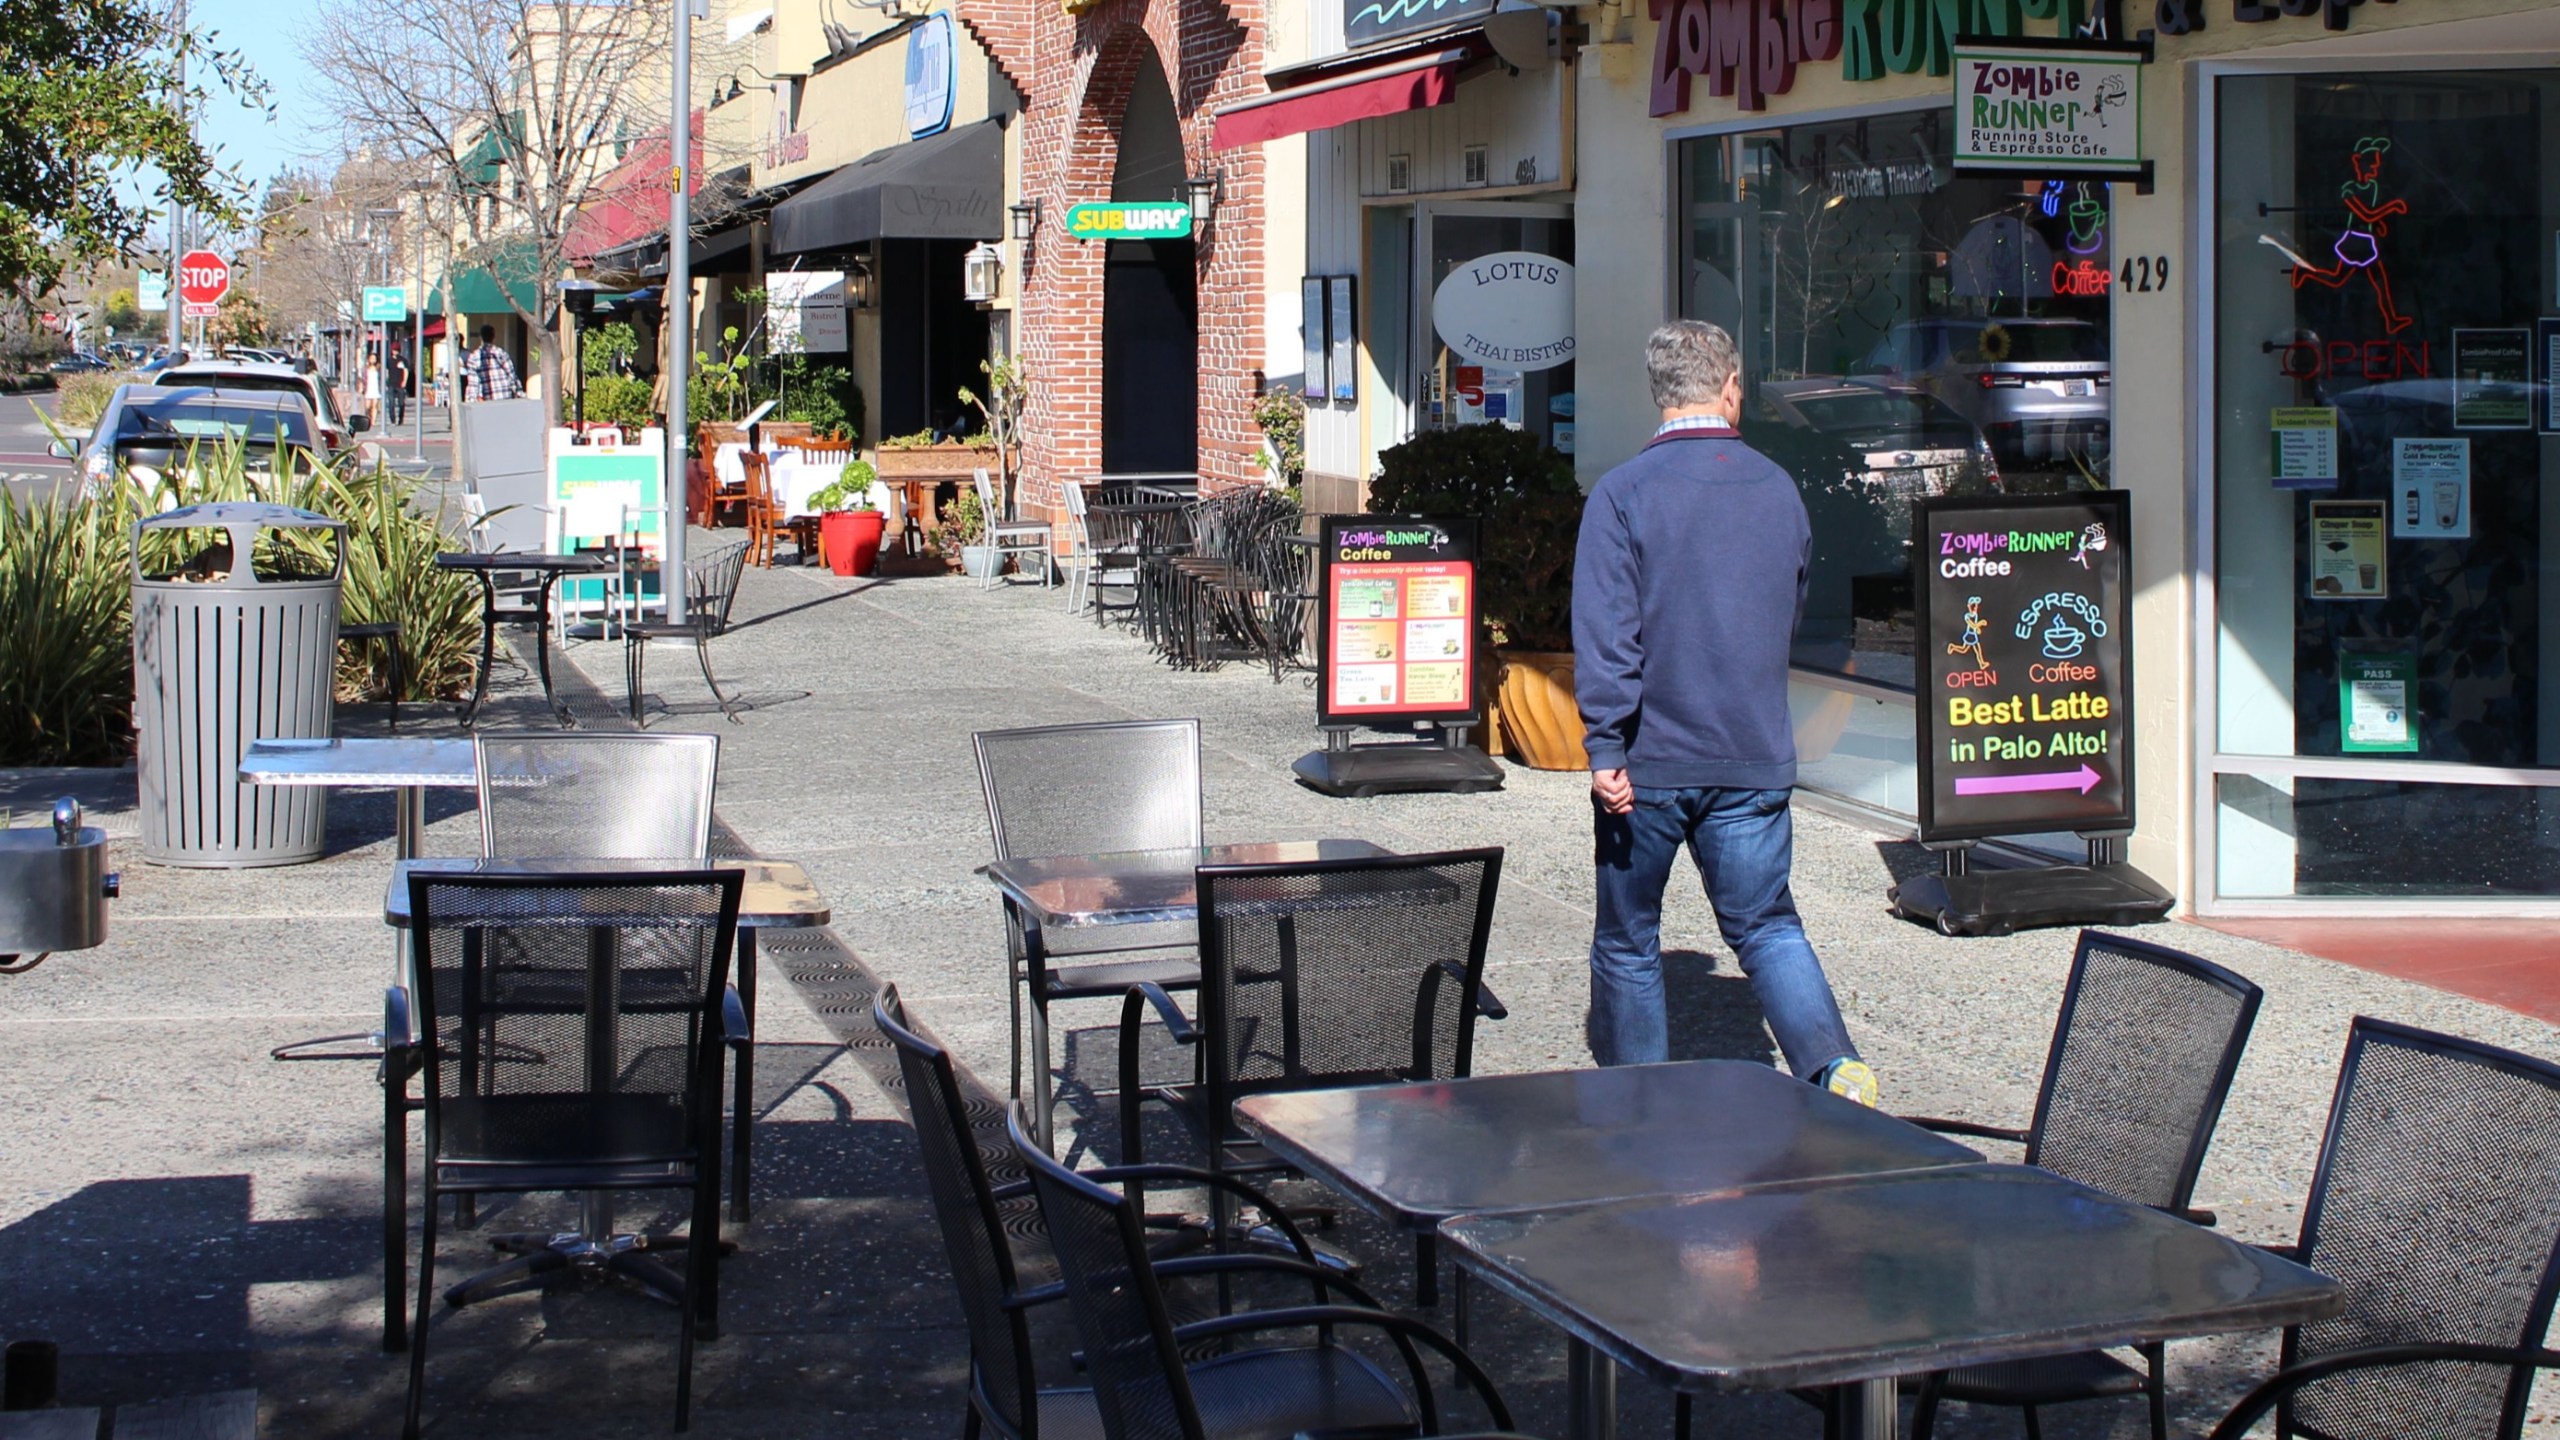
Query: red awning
(433, 329)
(1415, 83)
(631, 201)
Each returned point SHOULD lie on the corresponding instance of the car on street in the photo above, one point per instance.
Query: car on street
(337, 431)
(148, 430)
(80, 362)
(2039, 388)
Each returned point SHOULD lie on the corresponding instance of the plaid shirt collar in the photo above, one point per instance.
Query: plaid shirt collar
(1694, 424)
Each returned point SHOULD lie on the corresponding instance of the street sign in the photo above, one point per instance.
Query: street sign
(203, 279)
(385, 302)
(151, 292)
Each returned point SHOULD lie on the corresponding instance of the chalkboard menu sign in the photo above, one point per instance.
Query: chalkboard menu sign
(1397, 619)
(2025, 676)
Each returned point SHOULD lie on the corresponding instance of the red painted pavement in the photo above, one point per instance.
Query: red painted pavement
(2509, 963)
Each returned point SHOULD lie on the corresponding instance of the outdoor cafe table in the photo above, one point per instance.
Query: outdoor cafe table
(778, 896)
(1142, 887)
(406, 764)
(547, 571)
(1853, 1281)
(1416, 1155)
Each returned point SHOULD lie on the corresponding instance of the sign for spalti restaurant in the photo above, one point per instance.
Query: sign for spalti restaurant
(1372, 22)
(2049, 109)
(1128, 220)
(2026, 702)
(1398, 617)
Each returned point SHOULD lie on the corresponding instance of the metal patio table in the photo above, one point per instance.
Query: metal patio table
(408, 765)
(547, 572)
(1142, 887)
(778, 896)
(1851, 1282)
(1416, 1155)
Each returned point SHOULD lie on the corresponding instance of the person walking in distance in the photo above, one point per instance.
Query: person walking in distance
(487, 372)
(1687, 585)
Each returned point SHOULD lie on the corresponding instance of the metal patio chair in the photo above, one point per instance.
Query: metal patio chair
(1144, 1388)
(621, 797)
(2434, 1202)
(1010, 534)
(1089, 790)
(2142, 1058)
(1316, 975)
(1004, 1389)
(711, 592)
(568, 1028)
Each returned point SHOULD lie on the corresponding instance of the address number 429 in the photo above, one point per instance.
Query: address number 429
(2144, 274)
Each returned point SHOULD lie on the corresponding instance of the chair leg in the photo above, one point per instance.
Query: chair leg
(1680, 1416)
(1041, 1101)
(634, 670)
(702, 652)
(2035, 1430)
(426, 1297)
(969, 1422)
(1924, 1410)
(2157, 1355)
(1016, 1008)
(398, 679)
(1426, 1271)
(395, 1209)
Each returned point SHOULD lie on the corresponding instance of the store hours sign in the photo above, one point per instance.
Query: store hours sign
(2026, 705)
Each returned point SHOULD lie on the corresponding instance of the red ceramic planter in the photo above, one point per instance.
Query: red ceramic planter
(851, 539)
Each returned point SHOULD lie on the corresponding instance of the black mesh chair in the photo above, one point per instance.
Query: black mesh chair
(2435, 1202)
(710, 592)
(1317, 975)
(1088, 790)
(1134, 1354)
(2142, 1058)
(568, 1028)
(1004, 1390)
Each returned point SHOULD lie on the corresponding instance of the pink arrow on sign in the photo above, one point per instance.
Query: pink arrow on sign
(2083, 780)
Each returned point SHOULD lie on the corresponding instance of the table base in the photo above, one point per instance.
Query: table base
(539, 1257)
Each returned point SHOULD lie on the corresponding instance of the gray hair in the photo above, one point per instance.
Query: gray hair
(1688, 362)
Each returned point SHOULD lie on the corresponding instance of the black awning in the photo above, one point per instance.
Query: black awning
(944, 187)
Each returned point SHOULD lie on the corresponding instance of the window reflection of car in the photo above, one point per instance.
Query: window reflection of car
(146, 432)
(2038, 388)
(1862, 449)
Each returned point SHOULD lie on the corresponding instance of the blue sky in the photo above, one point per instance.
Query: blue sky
(266, 32)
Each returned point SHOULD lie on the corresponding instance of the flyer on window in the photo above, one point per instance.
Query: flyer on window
(2493, 379)
(2305, 447)
(2349, 560)
(2377, 697)
(2430, 489)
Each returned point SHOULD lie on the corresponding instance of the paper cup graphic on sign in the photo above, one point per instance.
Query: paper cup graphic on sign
(1510, 310)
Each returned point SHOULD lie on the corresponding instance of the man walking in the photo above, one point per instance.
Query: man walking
(396, 388)
(1687, 586)
(487, 372)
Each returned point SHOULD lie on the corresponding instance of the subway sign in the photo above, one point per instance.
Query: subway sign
(1118, 220)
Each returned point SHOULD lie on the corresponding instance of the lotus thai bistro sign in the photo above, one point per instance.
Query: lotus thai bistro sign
(2075, 109)
(1511, 310)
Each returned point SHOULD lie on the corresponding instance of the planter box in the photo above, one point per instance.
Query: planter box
(940, 462)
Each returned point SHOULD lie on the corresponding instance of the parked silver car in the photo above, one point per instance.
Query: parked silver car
(148, 430)
(338, 431)
(2039, 388)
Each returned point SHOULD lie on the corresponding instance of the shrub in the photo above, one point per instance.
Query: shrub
(620, 400)
(66, 638)
(1528, 513)
(84, 397)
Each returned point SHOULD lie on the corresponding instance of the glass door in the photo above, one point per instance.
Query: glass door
(1456, 389)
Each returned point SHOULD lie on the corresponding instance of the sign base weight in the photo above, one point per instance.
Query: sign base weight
(1365, 770)
(2002, 902)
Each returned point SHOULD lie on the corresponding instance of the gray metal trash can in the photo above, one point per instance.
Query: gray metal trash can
(226, 651)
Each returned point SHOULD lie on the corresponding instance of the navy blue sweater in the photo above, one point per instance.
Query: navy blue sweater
(1687, 583)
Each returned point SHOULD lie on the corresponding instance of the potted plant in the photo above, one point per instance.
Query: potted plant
(1528, 513)
(962, 532)
(849, 523)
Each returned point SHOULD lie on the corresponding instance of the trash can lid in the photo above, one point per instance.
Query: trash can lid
(242, 512)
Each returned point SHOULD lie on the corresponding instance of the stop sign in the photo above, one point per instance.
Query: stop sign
(203, 279)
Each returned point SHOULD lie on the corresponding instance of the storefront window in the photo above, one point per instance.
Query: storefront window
(2385, 442)
(1905, 332)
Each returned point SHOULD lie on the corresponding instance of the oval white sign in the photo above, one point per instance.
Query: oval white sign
(1511, 310)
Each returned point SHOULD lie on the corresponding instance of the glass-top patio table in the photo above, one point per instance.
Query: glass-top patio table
(407, 763)
(1854, 1281)
(1142, 887)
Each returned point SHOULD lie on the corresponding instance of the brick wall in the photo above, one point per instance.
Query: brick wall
(1076, 72)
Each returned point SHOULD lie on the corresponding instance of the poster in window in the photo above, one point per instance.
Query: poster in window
(1311, 328)
(1344, 334)
(2492, 380)
(2375, 704)
(2349, 560)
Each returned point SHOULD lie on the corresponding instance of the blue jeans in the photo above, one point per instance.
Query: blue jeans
(1744, 844)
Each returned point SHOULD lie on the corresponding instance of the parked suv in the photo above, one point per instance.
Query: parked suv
(2038, 388)
(148, 430)
(337, 431)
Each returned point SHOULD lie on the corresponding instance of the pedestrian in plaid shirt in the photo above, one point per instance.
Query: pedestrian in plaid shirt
(487, 373)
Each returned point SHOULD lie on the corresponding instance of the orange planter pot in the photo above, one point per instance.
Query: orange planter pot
(1541, 725)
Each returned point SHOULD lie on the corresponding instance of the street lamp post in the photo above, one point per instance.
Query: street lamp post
(679, 300)
(418, 335)
(578, 297)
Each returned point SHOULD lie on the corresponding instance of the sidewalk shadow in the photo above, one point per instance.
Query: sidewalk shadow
(1905, 858)
(1713, 1017)
(768, 616)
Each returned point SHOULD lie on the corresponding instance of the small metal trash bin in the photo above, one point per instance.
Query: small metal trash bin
(232, 642)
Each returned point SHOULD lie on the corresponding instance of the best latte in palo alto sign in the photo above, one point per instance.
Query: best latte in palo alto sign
(2041, 110)
(2026, 703)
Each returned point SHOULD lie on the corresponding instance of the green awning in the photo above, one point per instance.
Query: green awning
(482, 287)
(486, 160)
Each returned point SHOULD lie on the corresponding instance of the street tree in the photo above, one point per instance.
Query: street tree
(95, 139)
(517, 110)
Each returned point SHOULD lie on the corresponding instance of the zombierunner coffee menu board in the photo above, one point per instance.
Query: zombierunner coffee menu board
(2025, 679)
(1398, 621)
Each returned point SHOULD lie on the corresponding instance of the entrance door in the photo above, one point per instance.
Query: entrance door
(1150, 358)
(1539, 401)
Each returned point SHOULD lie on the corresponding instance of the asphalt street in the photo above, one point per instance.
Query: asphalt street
(25, 468)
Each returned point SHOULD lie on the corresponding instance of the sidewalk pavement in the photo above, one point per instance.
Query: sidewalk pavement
(187, 1215)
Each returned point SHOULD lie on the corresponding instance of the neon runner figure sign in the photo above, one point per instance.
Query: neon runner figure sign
(2358, 249)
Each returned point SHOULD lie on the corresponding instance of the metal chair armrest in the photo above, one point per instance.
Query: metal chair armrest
(399, 1029)
(1274, 1264)
(1968, 1127)
(1129, 1174)
(2193, 1215)
(1132, 1012)
(1396, 1326)
(2272, 1391)
(1048, 1294)
(733, 1020)
(1176, 1024)
(1488, 1004)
